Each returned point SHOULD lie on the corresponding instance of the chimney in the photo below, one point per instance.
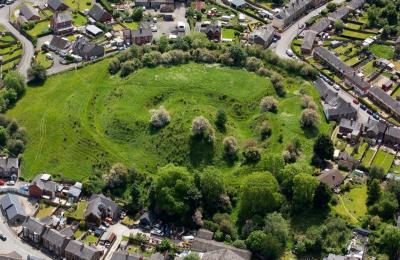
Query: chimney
(333, 177)
(141, 29)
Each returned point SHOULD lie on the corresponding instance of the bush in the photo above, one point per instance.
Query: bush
(265, 130)
(202, 127)
(231, 147)
(151, 59)
(204, 55)
(37, 73)
(239, 244)
(114, 66)
(251, 155)
(130, 66)
(159, 117)
(253, 64)
(308, 102)
(268, 103)
(309, 118)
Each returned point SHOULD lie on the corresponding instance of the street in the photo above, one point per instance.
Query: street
(27, 46)
(14, 243)
(293, 30)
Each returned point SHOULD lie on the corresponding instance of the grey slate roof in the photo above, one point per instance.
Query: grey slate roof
(339, 13)
(320, 26)
(238, 3)
(331, 59)
(81, 250)
(356, 4)
(350, 124)
(62, 17)
(309, 39)
(12, 205)
(142, 31)
(204, 245)
(291, 8)
(8, 200)
(121, 255)
(15, 210)
(332, 177)
(67, 232)
(393, 132)
(97, 12)
(55, 4)
(357, 80)
(83, 47)
(74, 191)
(221, 254)
(97, 201)
(55, 237)
(383, 97)
(342, 108)
(49, 185)
(59, 43)
(325, 92)
(265, 34)
(34, 225)
(28, 11)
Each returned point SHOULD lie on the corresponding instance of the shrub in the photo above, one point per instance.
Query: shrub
(151, 59)
(239, 244)
(251, 155)
(308, 102)
(265, 130)
(309, 118)
(204, 55)
(130, 66)
(221, 119)
(202, 127)
(268, 103)
(159, 117)
(37, 73)
(114, 66)
(253, 64)
(263, 71)
(231, 147)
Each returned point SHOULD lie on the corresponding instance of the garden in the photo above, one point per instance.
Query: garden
(10, 50)
(383, 160)
(79, 5)
(352, 204)
(45, 210)
(367, 159)
(39, 28)
(382, 51)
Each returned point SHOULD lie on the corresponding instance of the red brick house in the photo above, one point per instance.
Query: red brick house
(61, 23)
(43, 186)
(141, 36)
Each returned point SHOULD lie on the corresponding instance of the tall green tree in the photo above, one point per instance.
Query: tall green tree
(212, 189)
(277, 226)
(323, 150)
(323, 195)
(16, 81)
(390, 241)
(373, 191)
(304, 186)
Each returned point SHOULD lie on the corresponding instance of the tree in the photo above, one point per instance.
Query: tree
(254, 241)
(274, 163)
(386, 206)
(37, 73)
(277, 226)
(323, 195)
(239, 244)
(14, 80)
(15, 147)
(304, 186)
(201, 127)
(3, 136)
(260, 195)
(308, 102)
(137, 14)
(238, 54)
(269, 103)
(231, 147)
(264, 244)
(159, 117)
(163, 246)
(212, 189)
(173, 193)
(117, 176)
(265, 130)
(221, 119)
(339, 25)
(376, 173)
(373, 192)
(114, 66)
(251, 155)
(309, 118)
(390, 241)
(323, 150)
(331, 7)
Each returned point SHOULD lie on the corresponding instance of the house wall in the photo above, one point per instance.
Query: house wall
(35, 191)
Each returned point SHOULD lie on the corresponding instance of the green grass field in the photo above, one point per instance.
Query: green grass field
(382, 51)
(39, 28)
(367, 160)
(78, 19)
(357, 35)
(44, 211)
(384, 160)
(361, 150)
(43, 60)
(352, 204)
(228, 33)
(85, 120)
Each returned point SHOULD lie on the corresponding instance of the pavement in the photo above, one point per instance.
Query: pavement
(293, 30)
(14, 243)
(27, 46)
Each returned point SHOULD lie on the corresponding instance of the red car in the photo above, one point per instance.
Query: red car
(355, 101)
(2, 182)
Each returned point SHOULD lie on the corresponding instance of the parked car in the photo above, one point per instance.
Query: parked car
(105, 224)
(2, 237)
(289, 53)
(369, 111)
(11, 183)
(363, 107)
(2, 182)
(336, 86)
(355, 101)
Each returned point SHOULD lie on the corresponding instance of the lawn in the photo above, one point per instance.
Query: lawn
(78, 19)
(44, 211)
(78, 214)
(79, 5)
(357, 35)
(367, 160)
(43, 60)
(382, 51)
(361, 150)
(117, 27)
(78, 233)
(39, 28)
(132, 25)
(352, 204)
(369, 68)
(90, 239)
(352, 61)
(384, 160)
(395, 169)
(228, 33)
(136, 249)
(84, 121)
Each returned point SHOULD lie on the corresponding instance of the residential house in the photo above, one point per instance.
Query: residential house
(385, 101)
(326, 93)
(153, 4)
(147, 219)
(263, 36)
(354, 81)
(205, 234)
(290, 12)
(341, 110)
(32, 230)
(208, 246)
(339, 14)
(55, 242)
(74, 192)
(331, 177)
(101, 207)
(355, 4)
(382, 63)
(346, 162)
(329, 59)
(238, 4)
(59, 43)
(123, 255)
(320, 25)
(350, 128)
(387, 84)
(99, 14)
(87, 50)
(375, 129)
(43, 186)
(140, 36)
(9, 167)
(213, 30)
(57, 5)
(61, 23)
(12, 209)
(392, 136)
(10, 256)
(29, 13)
(308, 42)
(76, 250)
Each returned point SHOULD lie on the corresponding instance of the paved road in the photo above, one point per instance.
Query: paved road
(28, 49)
(291, 32)
(14, 243)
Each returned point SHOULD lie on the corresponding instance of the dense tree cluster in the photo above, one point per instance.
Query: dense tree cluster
(14, 88)
(12, 137)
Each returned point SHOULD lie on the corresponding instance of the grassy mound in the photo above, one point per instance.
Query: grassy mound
(83, 121)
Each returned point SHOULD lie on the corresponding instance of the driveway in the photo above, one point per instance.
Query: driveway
(293, 30)
(27, 46)
(14, 243)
